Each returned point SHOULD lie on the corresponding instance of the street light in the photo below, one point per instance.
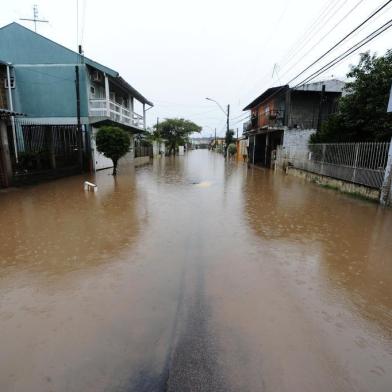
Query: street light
(213, 129)
(227, 114)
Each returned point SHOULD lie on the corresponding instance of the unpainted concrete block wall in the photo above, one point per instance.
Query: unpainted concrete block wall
(297, 138)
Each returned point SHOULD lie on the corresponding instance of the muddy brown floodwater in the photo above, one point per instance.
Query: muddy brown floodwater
(192, 274)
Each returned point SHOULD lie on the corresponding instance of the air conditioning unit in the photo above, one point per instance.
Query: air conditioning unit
(12, 82)
(96, 76)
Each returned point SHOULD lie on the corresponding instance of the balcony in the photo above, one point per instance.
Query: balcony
(251, 124)
(104, 109)
(272, 119)
(269, 119)
(247, 126)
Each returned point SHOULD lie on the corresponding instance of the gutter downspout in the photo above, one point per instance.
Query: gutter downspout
(12, 110)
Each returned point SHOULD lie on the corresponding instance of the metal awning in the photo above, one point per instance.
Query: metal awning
(98, 121)
(124, 84)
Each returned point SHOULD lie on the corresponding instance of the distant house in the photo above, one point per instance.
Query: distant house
(217, 144)
(43, 87)
(159, 148)
(284, 116)
(242, 151)
(200, 142)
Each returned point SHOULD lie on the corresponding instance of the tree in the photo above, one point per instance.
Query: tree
(362, 112)
(232, 149)
(229, 138)
(113, 142)
(175, 131)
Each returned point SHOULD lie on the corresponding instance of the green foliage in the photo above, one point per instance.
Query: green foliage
(151, 136)
(232, 149)
(362, 114)
(229, 137)
(176, 132)
(113, 142)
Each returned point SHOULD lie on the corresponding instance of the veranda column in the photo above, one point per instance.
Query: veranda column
(107, 96)
(5, 151)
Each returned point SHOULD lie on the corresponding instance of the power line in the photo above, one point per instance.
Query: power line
(83, 21)
(242, 119)
(77, 23)
(342, 40)
(324, 12)
(329, 32)
(310, 37)
(348, 52)
(342, 56)
(234, 118)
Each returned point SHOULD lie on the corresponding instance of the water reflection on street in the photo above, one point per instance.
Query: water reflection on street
(193, 274)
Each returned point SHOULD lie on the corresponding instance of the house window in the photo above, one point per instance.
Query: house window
(12, 82)
(92, 90)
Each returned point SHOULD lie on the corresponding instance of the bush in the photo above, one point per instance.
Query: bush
(232, 149)
(113, 142)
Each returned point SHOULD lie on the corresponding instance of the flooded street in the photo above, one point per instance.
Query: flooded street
(192, 274)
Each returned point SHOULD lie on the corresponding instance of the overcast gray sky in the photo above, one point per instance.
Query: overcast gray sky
(177, 52)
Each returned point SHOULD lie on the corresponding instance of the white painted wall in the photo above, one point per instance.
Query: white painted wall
(130, 157)
(156, 147)
(101, 162)
(243, 144)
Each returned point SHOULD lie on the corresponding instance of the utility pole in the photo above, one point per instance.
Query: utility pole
(228, 118)
(35, 18)
(79, 126)
(227, 114)
(237, 133)
(158, 142)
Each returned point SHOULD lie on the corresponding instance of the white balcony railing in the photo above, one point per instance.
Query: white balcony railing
(116, 112)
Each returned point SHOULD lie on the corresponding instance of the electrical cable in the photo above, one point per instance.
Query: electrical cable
(326, 34)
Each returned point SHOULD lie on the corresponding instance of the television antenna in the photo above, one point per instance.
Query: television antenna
(35, 18)
(275, 71)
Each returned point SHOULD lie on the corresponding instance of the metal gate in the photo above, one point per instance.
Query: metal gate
(3, 176)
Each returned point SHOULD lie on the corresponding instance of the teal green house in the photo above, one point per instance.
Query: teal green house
(42, 85)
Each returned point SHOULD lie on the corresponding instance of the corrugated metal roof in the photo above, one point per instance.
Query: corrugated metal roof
(332, 85)
(133, 91)
(266, 94)
(86, 60)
